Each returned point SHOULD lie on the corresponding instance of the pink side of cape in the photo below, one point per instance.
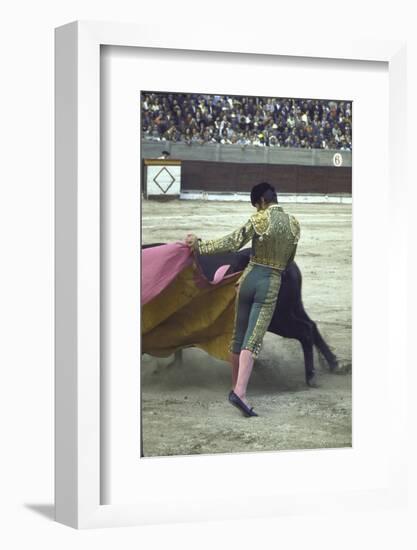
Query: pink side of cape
(162, 264)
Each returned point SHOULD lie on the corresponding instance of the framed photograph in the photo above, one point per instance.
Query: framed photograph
(222, 150)
(141, 441)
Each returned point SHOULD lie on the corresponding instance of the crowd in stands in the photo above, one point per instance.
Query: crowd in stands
(244, 120)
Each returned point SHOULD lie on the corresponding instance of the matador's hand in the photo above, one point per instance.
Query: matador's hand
(191, 240)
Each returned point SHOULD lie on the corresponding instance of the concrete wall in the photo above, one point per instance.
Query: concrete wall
(248, 154)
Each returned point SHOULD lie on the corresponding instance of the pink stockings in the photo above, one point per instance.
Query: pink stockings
(242, 365)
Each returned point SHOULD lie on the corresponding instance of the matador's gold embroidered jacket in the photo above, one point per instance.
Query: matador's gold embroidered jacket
(274, 235)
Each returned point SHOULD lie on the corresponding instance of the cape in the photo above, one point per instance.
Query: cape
(181, 307)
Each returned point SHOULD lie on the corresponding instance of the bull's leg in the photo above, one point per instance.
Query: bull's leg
(178, 357)
(234, 361)
(310, 372)
(324, 349)
(306, 337)
(300, 330)
(318, 340)
(177, 361)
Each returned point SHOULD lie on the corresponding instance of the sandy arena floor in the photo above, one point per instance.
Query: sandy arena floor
(184, 407)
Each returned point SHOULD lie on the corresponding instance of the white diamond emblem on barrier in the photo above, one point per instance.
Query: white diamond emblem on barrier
(164, 179)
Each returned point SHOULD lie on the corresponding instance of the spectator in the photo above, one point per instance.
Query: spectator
(243, 120)
(164, 155)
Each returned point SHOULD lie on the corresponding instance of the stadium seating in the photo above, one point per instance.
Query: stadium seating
(245, 120)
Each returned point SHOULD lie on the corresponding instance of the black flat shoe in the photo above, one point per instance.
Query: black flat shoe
(237, 402)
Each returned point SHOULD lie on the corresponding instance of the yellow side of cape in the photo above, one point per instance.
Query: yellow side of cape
(184, 315)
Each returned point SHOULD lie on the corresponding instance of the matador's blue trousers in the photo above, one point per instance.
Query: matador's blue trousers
(255, 305)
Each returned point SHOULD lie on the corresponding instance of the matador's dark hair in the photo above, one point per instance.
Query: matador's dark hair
(265, 190)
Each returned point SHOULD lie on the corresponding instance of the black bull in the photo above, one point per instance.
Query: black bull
(290, 318)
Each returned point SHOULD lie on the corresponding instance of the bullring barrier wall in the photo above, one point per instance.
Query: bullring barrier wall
(248, 154)
(232, 169)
